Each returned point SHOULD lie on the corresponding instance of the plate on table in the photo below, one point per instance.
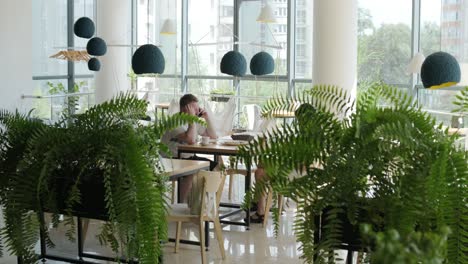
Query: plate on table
(234, 142)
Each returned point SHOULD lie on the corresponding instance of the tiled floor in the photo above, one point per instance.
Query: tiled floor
(257, 245)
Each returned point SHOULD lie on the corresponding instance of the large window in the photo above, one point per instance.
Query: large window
(54, 79)
(49, 36)
(210, 35)
(214, 27)
(384, 41)
(444, 28)
(303, 39)
(151, 16)
(256, 37)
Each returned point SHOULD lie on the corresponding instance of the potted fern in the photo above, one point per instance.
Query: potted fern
(389, 168)
(101, 163)
(221, 95)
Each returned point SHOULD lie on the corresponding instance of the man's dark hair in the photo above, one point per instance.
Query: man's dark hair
(187, 99)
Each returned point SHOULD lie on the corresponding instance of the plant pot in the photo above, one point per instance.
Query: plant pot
(351, 237)
(220, 98)
(92, 192)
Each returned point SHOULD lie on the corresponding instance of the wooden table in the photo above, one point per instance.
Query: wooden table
(177, 168)
(162, 106)
(283, 114)
(460, 131)
(221, 150)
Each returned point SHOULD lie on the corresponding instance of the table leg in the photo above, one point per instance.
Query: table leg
(42, 238)
(207, 235)
(247, 188)
(80, 238)
(178, 190)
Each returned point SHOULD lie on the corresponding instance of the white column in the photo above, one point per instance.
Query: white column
(335, 44)
(114, 26)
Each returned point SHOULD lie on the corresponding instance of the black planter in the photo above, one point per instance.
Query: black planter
(351, 238)
(92, 192)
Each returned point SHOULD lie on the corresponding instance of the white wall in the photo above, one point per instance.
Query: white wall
(335, 44)
(15, 62)
(15, 53)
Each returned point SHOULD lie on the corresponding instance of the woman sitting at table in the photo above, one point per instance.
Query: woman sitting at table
(302, 114)
(188, 134)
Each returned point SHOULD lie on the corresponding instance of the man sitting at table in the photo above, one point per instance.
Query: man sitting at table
(188, 134)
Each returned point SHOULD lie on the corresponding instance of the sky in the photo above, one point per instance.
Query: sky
(399, 11)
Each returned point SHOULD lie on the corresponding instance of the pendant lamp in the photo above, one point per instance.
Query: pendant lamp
(439, 70)
(266, 15)
(169, 27)
(96, 47)
(84, 27)
(233, 63)
(262, 63)
(94, 64)
(415, 64)
(148, 59)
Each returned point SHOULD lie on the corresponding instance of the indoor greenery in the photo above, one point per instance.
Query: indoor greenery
(382, 163)
(72, 101)
(221, 95)
(103, 162)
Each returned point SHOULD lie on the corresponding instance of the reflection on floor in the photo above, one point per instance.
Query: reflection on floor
(257, 245)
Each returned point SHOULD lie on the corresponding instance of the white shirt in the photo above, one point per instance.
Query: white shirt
(170, 138)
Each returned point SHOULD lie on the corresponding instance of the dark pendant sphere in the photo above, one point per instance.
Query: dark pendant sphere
(233, 63)
(94, 64)
(96, 47)
(148, 59)
(439, 70)
(84, 27)
(262, 63)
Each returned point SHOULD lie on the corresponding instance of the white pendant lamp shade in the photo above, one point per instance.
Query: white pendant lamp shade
(266, 15)
(415, 64)
(169, 27)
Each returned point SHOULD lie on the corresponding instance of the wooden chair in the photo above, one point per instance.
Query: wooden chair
(231, 172)
(268, 205)
(242, 170)
(213, 183)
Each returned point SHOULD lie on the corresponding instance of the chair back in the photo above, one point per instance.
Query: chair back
(213, 185)
(253, 114)
(173, 107)
(222, 119)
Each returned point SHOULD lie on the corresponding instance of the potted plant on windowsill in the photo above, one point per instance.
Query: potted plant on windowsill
(388, 168)
(221, 95)
(101, 163)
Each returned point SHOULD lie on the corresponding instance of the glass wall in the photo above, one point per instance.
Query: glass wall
(444, 27)
(271, 38)
(54, 79)
(210, 35)
(303, 39)
(150, 18)
(206, 30)
(49, 36)
(384, 41)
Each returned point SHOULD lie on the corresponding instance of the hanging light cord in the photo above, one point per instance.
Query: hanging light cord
(147, 22)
